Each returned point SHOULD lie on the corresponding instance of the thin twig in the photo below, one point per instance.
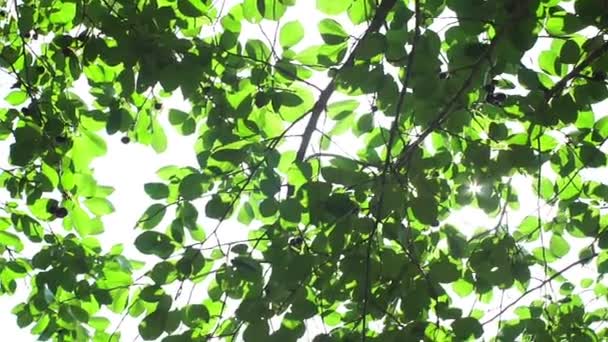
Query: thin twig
(333, 155)
(387, 162)
(559, 86)
(447, 109)
(319, 106)
(542, 284)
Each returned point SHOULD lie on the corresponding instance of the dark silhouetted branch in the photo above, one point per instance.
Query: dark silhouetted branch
(319, 106)
(559, 86)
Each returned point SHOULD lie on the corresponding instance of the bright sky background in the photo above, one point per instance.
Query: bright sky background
(128, 167)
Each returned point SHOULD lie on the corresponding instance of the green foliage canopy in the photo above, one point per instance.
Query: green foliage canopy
(348, 240)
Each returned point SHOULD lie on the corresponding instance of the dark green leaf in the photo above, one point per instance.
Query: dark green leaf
(151, 242)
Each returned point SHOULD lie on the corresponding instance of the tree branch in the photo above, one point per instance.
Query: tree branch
(387, 161)
(559, 86)
(543, 283)
(319, 106)
(333, 155)
(447, 109)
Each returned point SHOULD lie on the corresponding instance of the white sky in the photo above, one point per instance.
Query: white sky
(128, 167)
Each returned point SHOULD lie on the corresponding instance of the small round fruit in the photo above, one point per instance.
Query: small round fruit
(49, 238)
(60, 139)
(374, 108)
(261, 99)
(52, 207)
(496, 98)
(599, 75)
(125, 140)
(296, 241)
(61, 212)
(158, 105)
(443, 75)
(500, 97)
(25, 111)
(82, 36)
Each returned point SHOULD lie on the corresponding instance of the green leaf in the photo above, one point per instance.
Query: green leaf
(257, 49)
(586, 283)
(182, 121)
(602, 262)
(195, 314)
(251, 12)
(302, 308)
(570, 52)
(152, 216)
(332, 32)
(246, 214)
(234, 156)
(343, 176)
(592, 156)
(151, 242)
(191, 186)
(64, 13)
(99, 323)
(290, 210)
(191, 8)
(16, 97)
(333, 7)
(78, 313)
(188, 215)
(159, 139)
(444, 271)
(372, 46)
(248, 268)
(167, 172)
(177, 117)
(272, 9)
(559, 246)
(92, 144)
(338, 110)
(547, 60)
(30, 227)
(529, 228)
(153, 325)
(156, 191)
(466, 328)
(11, 240)
(563, 23)
(268, 207)
(256, 330)
(216, 208)
(360, 11)
(457, 242)
(99, 206)
(600, 127)
(425, 209)
(462, 288)
(291, 33)
(82, 221)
